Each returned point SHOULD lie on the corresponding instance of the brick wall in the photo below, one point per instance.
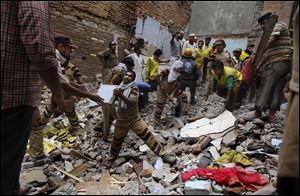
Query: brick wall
(93, 24)
(281, 8)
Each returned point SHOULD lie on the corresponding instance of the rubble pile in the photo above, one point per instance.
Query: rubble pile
(237, 159)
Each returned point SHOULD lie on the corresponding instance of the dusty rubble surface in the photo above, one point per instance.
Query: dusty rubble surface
(77, 167)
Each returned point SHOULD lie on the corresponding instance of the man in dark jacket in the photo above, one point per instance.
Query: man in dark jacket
(190, 73)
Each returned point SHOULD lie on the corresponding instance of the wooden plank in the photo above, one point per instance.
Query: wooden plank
(67, 174)
(262, 46)
(79, 155)
(80, 169)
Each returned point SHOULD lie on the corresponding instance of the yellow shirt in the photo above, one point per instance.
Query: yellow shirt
(243, 56)
(199, 58)
(228, 71)
(151, 68)
(206, 51)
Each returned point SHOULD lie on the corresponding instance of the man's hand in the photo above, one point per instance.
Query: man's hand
(117, 92)
(82, 87)
(58, 102)
(96, 98)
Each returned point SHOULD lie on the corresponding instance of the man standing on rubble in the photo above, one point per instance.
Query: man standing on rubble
(109, 58)
(189, 74)
(175, 48)
(240, 56)
(207, 50)
(139, 66)
(288, 166)
(128, 117)
(64, 48)
(27, 55)
(114, 77)
(168, 88)
(275, 65)
(189, 44)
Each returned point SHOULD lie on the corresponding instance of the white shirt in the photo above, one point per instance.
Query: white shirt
(186, 44)
(139, 65)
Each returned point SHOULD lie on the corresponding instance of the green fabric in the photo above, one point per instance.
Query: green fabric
(229, 82)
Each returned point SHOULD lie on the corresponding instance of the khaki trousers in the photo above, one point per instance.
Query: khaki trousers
(109, 111)
(288, 165)
(39, 121)
(161, 100)
(141, 129)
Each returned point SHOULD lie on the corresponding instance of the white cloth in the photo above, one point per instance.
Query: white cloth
(139, 65)
(126, 88)
(173, 75)
(173, 59)
(123, 67)
(61, 60)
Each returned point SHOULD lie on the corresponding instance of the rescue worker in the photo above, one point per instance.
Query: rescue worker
(114, 77)
(189, 74)
(175, 48)
(108, 58)
(240, 56)
(128, 118)
(221, 55)
(288, 165)
(190, 43)
(199, 58)
(152, 66)
(227, 82)
(64, 47)
(274, 67)
(168, 89)
(207, 50)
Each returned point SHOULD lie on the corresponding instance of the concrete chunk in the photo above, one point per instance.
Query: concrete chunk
(197, 187)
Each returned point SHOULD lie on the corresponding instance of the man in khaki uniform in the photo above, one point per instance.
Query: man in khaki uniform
(167, 89)
(64, 47)
(128, 117)
(74, 77)
(109, 58)
(220, 55)
(288, 167)
(114, 77)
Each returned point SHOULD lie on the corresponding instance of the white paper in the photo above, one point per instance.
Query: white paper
(106, 92)
(144, 148)
(217, 143)
(213, 151)
(207, 126)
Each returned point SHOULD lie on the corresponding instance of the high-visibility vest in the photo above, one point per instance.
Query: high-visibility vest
(228, 71)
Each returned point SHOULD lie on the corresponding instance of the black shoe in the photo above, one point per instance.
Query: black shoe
(169, 159)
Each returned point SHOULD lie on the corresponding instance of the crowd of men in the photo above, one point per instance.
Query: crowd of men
(30, 53)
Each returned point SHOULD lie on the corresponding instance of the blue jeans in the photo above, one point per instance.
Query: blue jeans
(143, 88)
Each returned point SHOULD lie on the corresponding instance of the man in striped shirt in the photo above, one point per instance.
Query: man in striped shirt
(27, 55)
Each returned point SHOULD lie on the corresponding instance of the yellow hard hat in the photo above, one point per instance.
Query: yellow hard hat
(187, 52)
